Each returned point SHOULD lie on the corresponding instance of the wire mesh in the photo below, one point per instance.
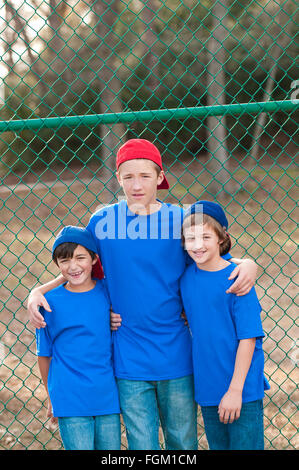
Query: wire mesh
(214, 85)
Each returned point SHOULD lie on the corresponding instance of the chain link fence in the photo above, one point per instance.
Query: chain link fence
(214, 85)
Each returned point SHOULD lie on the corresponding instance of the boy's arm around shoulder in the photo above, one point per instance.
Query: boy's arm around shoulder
(37, 299)
(246, 274)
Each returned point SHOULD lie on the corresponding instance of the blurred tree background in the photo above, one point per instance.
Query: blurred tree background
(76, 57)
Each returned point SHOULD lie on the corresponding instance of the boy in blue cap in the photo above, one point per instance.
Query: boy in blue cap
(227, 334)
(138, 241)
(74, 349)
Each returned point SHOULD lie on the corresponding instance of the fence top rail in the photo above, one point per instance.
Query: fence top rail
(148, 115)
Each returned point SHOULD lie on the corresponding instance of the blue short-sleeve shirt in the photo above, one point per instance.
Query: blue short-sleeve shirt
(143, 260)
(77, 336)
(217, 322)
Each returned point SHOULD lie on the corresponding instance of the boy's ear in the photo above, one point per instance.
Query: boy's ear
(95, 260)
(118, 178)
(160, 177)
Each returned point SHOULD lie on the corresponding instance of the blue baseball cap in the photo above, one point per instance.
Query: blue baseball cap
(210, 208)
(81, 236)
(72, 234)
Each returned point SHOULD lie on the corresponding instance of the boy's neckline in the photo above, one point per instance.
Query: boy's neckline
(132, 213)
(227, 265)
(79, 292)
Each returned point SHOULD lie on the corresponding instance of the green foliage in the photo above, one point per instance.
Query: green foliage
(105, 61)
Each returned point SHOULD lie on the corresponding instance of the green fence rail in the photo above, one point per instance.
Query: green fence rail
(215, 86)
(151, 115)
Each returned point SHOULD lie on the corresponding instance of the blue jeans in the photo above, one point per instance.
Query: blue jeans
(90, 432)
(144, 404)
(246, 433)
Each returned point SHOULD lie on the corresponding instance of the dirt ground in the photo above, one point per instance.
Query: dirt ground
(260, 202)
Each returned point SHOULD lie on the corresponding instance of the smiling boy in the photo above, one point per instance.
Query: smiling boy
(76, 269)
(75, 351)
(227, 332)
(138, 241)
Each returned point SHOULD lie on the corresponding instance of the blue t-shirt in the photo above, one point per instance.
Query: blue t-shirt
(77, 336)
(217, 322)
(143, 260)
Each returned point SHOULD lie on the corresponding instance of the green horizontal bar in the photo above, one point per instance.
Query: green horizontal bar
(143, 116)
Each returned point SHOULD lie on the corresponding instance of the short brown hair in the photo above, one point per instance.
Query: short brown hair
(66, 250)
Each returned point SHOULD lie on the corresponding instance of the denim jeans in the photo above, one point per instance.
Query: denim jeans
(246, 433)
(90, 432)
(144, 404)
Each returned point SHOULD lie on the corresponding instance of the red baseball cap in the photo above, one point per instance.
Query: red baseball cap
(140, 148)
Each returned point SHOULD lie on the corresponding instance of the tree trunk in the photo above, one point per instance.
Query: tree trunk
(149, 41)
(106, 14)
(20, 27)
(216, 96)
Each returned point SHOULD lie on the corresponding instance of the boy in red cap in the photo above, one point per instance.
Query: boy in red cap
(138, 242)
